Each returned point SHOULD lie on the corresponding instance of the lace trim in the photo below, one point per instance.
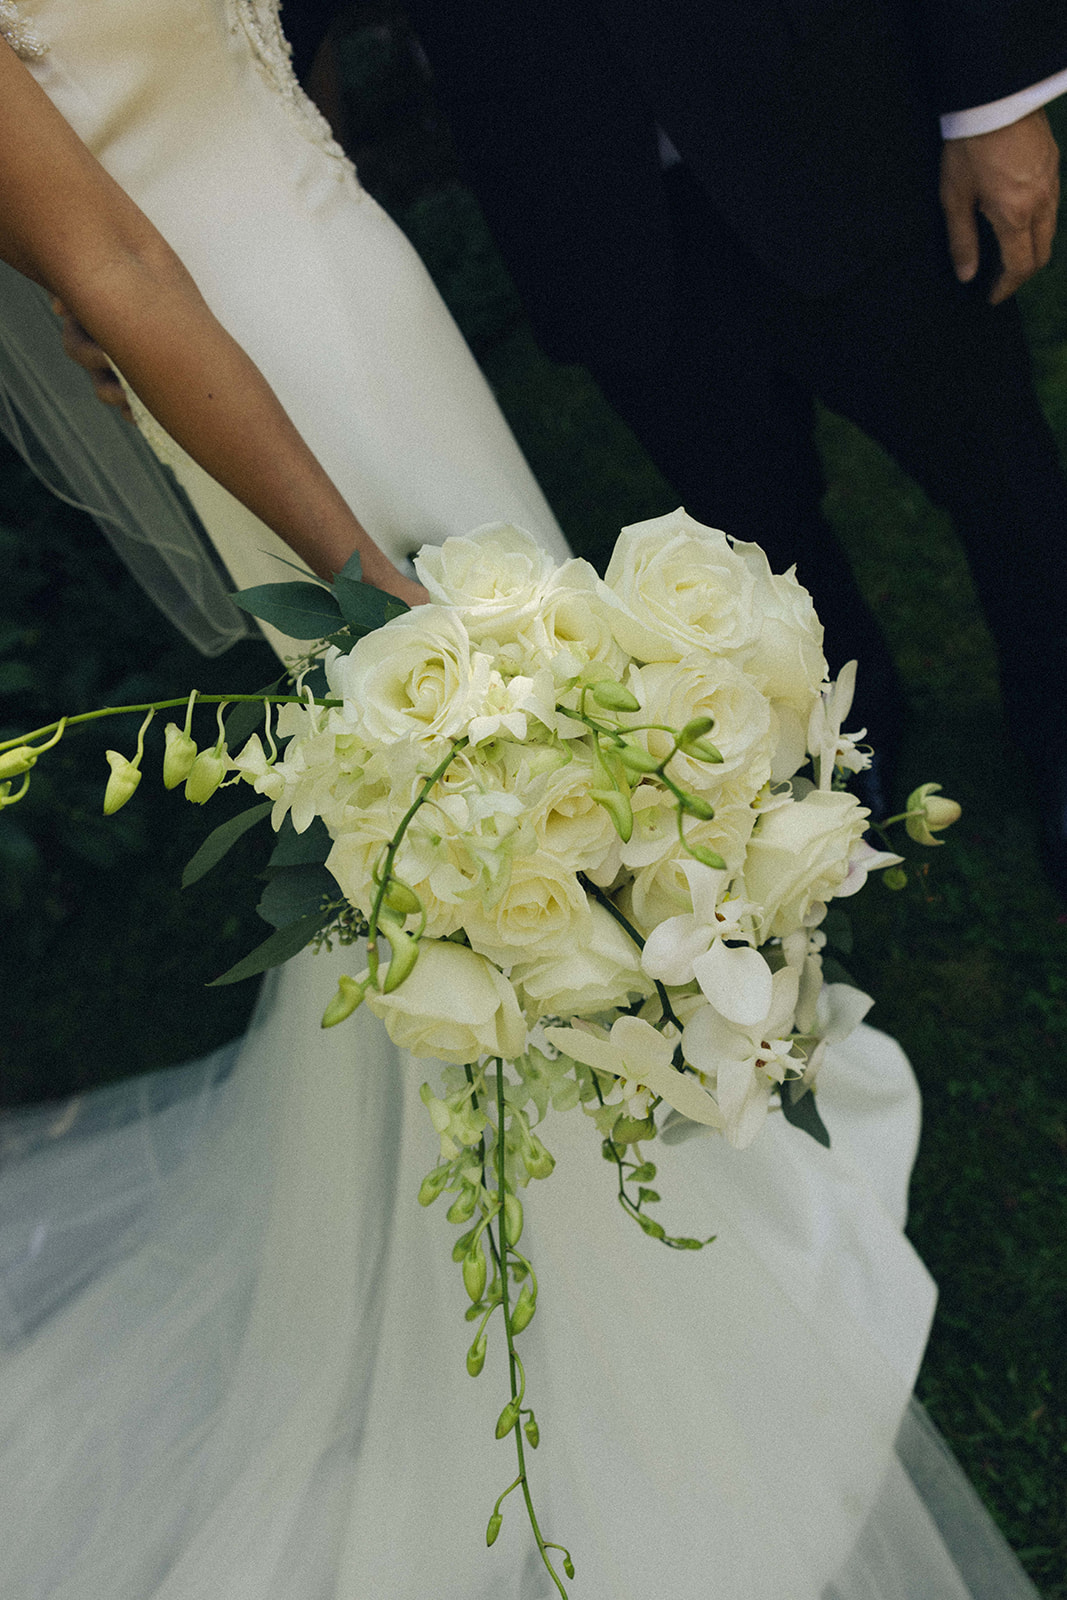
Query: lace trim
(22, 39)
(260, 22)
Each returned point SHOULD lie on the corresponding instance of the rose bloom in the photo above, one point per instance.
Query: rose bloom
(453, 1005)
(680, 587)
(415, 679)
(542, 908)
(568, 823)
(673, 693)
(786, 662)
(599, 973)
(495, 576)
(798, 857)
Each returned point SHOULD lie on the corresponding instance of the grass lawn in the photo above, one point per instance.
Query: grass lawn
(104, 962)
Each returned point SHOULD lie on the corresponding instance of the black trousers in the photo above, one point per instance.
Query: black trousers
(922, 364)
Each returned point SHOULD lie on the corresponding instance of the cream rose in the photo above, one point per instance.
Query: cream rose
(680, 587)
(494, 575)
(415, 679)
(673, 693)
(454, 1005)
(786, 661)
(600, 972)
(799, 856)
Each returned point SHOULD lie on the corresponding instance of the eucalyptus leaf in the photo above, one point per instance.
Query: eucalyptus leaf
(364, 607)
(302, 610)
(279, 947)
(803, 1113)
(224, 837)
(293, 849)
(295, 892)
(352, 569)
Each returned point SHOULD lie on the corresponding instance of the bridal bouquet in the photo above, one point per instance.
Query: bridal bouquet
(589, 829)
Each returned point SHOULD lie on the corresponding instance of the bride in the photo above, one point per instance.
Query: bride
(232, 1357)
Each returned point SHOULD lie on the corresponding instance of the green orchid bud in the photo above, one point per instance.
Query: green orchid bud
(568, 1564)
(206, 773)
(649, 1225)
(122, 784)
(703, 750)
(635, 759)
(710, 858)
(524, 1308)
(476, 1355)
(896, 878)
(694, 806)
(928, 812)
(494, 1528)
(536, 1159)
(513, 1217)
(613, 697)
(179, 755)
(433, 1184)
(13, 763)
(644, 1173)
(630, 1130)
(399, 898)
(475, 1272)
(463, 1243)
(348, 997)
(507, 1419)
(532, 1431)
(695, 729)
(462, 1207)
(405, 953)
(618, 808)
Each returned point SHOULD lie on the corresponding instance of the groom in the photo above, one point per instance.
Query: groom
(727, 209)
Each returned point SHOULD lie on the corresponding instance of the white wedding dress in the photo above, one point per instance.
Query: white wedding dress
(231, 1343)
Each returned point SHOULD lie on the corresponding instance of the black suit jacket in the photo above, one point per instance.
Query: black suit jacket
(811, 125)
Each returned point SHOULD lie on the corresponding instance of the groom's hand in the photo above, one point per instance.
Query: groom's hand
(1012, 177)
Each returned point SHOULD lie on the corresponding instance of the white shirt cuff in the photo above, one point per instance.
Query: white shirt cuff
(1000, 113)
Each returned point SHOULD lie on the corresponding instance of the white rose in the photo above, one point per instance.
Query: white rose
(599, 973)
(454, 1005)
(680, 587)
(494, 575)
(573, 625)
(786, 661)
(542, 908)
(799, 856)
(569, 825)
(415, 679)
(673, 693)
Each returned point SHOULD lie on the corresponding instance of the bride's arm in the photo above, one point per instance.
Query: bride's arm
(66, 224)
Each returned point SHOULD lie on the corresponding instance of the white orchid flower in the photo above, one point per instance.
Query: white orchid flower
(828, 745)
(747, 1063)
(862, 859)
(641, 1058)
(734, 978)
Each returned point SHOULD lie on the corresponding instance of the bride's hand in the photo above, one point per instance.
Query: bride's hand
(379, 570)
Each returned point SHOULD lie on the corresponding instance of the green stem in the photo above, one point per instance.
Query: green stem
(391, 850)
(514, 1364)
(164, 705)
(612, 909)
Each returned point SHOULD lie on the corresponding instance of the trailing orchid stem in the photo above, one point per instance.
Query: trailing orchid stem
(516, 1372)
(160, 705)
